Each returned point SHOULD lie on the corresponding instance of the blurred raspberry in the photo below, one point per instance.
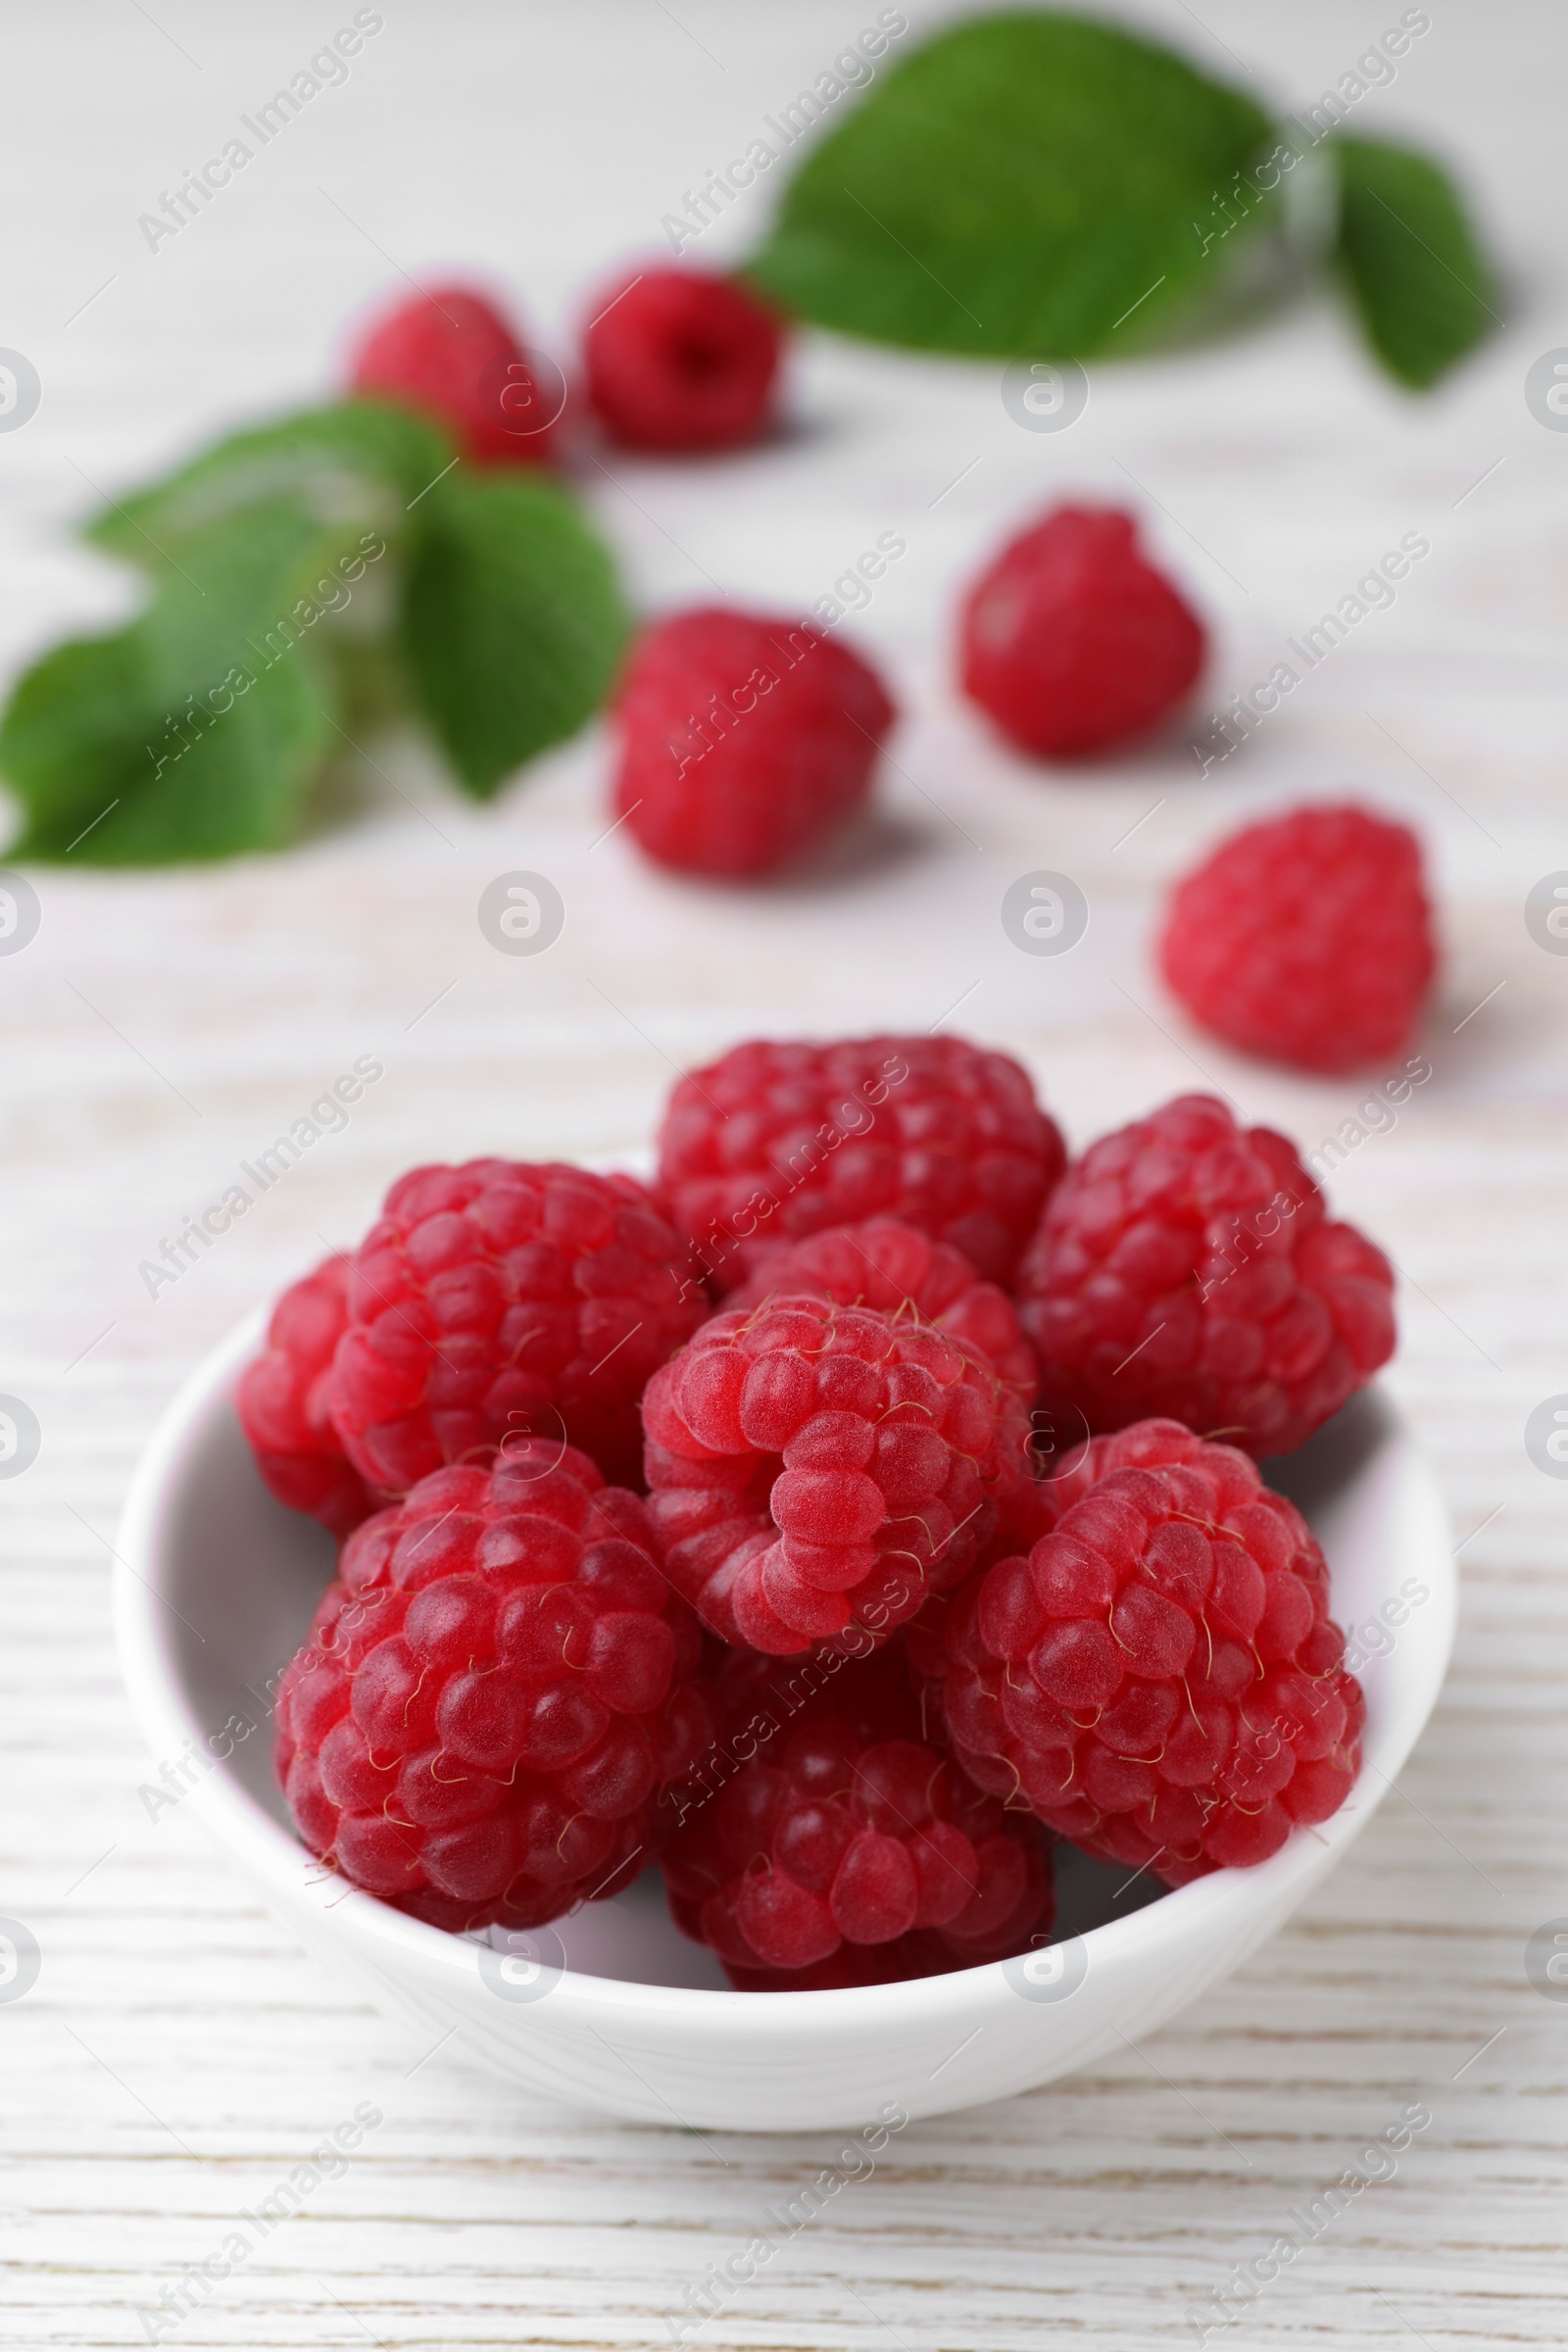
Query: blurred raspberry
(894, 1268)
(1160, 1678)
(499, 1298)
(450, 356)
(284, 1404)
(495, 1692)
(681, 361)
(816, 1470)
(1306, 939)
(848, 1849)
(1072, 642)
(745, 741)
(1185, 1267)
(774, 1142)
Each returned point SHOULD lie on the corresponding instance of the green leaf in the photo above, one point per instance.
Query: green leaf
(1024, 183)
(360, 460)
(1411, 260)
(196, 731)
(88, 775)
(513, 622)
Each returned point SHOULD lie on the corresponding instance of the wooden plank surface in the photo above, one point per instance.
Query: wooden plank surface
(179, 2054)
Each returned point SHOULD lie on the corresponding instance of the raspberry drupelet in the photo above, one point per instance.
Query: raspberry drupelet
(504, 1297)
(284, 1404)
(450, 355)
(847, 1849)
(1307, 938)
(1160, 1678)
(889, 1265)
(680, 362)
(776, 1140)
(1186, 1266)
(746, 739)
(495, 1692)
(816, 1470)
(1072, 642)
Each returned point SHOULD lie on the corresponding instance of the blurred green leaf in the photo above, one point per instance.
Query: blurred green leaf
(513, 622)
(196, 731)
(1411, 260)
(359, 460)
(1022, 184)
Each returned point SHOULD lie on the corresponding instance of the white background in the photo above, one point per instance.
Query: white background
(179, 2054)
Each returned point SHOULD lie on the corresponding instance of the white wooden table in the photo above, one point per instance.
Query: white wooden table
(177, 2055)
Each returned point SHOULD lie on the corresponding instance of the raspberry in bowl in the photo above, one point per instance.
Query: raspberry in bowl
(848, 1849)
(1160, 1677)
(1187, 1265)
(817, 1472)
(887, 1264)
(777, 1140)
(496, 1693)
(497, 1300)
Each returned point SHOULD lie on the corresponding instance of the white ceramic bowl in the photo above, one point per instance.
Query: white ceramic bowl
(215, 1588)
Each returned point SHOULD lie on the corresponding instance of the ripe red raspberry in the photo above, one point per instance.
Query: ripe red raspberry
(494, 1692)
(818, 1469)
(745, 741)
(284, 1404)
(1307, 939)
(1144, 1444)
(453, 357)
(894, 1268)
(680, 361)
(1184, 1266)
(501, 1297)
(1072, 642)
(1160, 1678)
(778, 1141)
(847, 1848)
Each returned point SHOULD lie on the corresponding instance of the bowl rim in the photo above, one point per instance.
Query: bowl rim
(1225, 1903)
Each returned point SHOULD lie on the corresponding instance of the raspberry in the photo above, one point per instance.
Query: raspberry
(679, 360)
(745, 741)
(818, 1469)
(501, 1297)
(452, 356)
(849, 1850)
(891, 1266)
(1160, 1678)
(284, 1404)
(1144, 1444)
(931, 1130)
(494, 1692)
(1307, 938)
(1072, 642)
(1185, 1267)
